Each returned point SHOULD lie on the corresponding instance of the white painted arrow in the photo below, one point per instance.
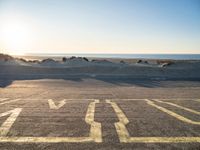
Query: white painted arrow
(52, 104)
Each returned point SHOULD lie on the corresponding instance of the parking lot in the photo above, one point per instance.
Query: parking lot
(84, 120)
(58, 120)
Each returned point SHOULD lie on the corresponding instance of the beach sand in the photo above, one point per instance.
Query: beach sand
(73, 86)
(109, 68)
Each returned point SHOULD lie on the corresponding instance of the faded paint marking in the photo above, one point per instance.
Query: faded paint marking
(10, 101)
(125, 137)
(52, 104)
(178, 106)
(173, 114)
(5, 127)
(3, 99)
(95, 134)
(95, 129)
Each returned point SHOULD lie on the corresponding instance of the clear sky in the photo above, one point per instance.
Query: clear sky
(100, 26)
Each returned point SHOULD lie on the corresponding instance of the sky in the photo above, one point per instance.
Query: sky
(100, 26)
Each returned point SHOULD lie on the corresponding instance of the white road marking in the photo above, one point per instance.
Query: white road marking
(46, 139)
(95, 134)
(178, 106)
(125, 137)
(144, 99)
(173, 114)
(3, 99)
(52, 104)
(121, 125)
(95, 129)
(10, 101)
(5, 127)
(197, 100)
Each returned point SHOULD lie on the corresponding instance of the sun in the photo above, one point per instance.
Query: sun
(16, 36)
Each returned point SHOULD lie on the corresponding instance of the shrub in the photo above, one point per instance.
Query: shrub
(64, 59)
(85, 59)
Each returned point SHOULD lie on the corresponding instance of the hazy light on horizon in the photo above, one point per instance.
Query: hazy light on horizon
(103, 26)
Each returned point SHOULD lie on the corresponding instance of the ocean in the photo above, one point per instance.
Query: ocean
(126, 56)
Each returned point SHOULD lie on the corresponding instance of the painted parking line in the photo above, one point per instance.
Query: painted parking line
(10, 101)
(46, 139)
(95, 134)
(197, 100)
(52, 104)
(171, 113)
(5, 127)
(125, 137)
(121, 125)
(95, 130)
(143, 99)
(178, 106)
(3, 99)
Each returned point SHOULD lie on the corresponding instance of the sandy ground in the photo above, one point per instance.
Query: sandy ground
(38, 119)
(79, 68)
(100, 105)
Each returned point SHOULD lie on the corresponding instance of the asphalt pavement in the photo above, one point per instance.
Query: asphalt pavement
(99, 114)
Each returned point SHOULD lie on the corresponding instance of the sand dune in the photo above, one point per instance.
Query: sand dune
(78, 66)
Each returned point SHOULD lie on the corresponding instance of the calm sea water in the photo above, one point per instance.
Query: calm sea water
(147, 56)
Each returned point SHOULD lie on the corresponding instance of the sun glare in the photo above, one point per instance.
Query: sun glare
(16, 36)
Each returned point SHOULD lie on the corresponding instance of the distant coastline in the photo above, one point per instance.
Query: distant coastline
(124, 56)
